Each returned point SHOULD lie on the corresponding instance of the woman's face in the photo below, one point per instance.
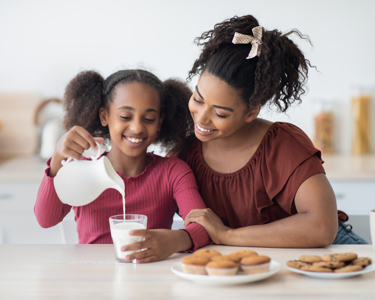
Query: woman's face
(133, 118)
(217, 109)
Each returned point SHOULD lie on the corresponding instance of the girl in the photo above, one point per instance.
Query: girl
(132, 109)
(263, 183)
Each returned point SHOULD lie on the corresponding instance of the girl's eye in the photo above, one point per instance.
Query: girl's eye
(125, 118)
(150, 120)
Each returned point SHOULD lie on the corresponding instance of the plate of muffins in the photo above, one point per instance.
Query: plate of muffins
(332, 265)
(207, 266)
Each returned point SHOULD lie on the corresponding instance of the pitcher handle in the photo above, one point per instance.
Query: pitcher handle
(64, 162)
(99, 152)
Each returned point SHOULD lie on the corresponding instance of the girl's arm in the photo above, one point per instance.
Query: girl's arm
(72, 144)
(315, 224)
(161, 243)
(48, 209)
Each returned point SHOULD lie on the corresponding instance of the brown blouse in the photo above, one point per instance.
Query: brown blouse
(263, 190)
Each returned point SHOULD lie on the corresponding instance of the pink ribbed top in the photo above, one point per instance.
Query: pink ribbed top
(165, 185)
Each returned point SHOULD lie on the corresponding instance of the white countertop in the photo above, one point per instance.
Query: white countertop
(91, 272)
(350, 167)
(338, 167)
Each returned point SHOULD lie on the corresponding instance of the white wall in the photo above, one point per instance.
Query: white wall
(43, 44)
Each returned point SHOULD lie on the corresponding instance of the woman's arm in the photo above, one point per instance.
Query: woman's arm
(315, 224)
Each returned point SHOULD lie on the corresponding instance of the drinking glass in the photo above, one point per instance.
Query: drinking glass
(120, 228)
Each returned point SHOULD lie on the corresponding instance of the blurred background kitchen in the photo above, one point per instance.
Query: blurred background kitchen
(44, 44)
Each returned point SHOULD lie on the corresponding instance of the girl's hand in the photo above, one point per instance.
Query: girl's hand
(72, 144)
(158, 244)
(210, 221)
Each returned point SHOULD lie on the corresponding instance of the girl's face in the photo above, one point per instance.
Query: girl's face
(133, 118)
(217, 109)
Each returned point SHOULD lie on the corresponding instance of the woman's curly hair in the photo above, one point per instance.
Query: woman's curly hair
(89, 91)
(279, 74)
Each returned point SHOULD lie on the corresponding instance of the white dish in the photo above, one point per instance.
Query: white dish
(241, 277)
(324, 275)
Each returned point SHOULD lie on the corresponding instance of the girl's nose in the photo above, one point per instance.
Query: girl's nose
(136, 126)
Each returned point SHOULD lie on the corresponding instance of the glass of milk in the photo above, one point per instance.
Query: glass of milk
(120, 227)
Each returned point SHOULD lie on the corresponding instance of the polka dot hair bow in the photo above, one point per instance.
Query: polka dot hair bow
(256, 41)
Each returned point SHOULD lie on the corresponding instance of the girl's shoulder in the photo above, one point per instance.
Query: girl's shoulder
(172, 163)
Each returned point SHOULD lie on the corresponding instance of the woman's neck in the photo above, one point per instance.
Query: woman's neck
(128, 166)
(230, 154)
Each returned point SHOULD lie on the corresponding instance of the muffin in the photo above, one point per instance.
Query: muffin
(194, 265)
(225, 257)
(221, 268)
(238, 255)
(255, 264)
(207, 253)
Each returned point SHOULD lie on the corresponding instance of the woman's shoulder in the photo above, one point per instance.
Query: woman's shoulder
(288, 136)
(286, 144)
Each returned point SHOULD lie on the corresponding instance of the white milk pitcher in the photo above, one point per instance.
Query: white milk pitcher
(80, 182)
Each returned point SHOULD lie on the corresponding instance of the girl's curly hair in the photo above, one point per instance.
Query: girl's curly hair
(279, 74)
(89, 91)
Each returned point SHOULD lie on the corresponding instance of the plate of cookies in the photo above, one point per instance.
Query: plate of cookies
(332, 265)
(206, 266)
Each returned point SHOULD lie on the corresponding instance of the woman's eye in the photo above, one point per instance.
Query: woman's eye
(196, 100)
(221, 116)
(125, 118)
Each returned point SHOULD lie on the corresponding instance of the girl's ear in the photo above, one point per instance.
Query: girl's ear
(103, 115)
(252, 114)
(160, 121)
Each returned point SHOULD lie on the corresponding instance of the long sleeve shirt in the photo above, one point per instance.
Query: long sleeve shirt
(167, 184)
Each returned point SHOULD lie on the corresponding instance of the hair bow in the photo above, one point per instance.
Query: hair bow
(256, 41)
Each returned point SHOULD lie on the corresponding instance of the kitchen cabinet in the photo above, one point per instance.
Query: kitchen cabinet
(18, 224)
(353, 180)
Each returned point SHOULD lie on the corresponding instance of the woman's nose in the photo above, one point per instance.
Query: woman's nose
(202, 116)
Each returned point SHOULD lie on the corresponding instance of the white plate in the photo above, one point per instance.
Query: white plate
(324, 275)
(241, 277)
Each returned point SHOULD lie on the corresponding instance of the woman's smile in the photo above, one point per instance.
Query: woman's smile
(203, 131)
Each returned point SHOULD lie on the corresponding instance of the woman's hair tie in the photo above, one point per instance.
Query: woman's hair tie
(256, 41)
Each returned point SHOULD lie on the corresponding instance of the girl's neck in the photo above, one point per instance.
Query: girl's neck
(128, 166)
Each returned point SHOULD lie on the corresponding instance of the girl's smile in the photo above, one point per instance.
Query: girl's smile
(133, 119)
(134, 141)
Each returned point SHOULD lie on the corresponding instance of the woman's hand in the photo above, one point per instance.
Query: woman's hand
(72, 144)
(210, 221)
(158, 244)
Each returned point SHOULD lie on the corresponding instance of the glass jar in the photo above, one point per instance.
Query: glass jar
(361, 117)
(324, 127)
